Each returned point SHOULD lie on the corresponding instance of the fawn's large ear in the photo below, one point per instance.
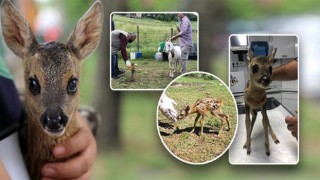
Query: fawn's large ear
(250, 54)
(272, 55)
(16, 30)
(86, 34)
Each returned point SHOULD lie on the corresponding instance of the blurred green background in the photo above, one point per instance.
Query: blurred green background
(128, 142)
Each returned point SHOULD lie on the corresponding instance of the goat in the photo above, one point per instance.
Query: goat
(174, 57)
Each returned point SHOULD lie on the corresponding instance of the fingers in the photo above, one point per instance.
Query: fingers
(292, 125)
(84, 177)
(73, 168)
(76, 143)
(81, 148)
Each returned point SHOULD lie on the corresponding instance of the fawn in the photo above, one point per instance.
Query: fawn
(52, 76)
(260, 68)
(202, 107)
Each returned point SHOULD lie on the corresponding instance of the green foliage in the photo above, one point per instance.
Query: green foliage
(142, 5)
(74, 9)
(251, 9)
(87, 79)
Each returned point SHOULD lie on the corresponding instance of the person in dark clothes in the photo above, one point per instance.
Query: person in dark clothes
(119, 42)
(118, 72)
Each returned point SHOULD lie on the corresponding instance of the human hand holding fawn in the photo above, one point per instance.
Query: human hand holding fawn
(84, 149)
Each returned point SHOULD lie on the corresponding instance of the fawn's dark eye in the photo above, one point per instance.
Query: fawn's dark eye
(72, 86)
(255, 68)
(270, 69)
(34, 86)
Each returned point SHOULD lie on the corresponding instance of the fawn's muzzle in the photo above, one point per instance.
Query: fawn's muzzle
(265, 80)
(54, 121)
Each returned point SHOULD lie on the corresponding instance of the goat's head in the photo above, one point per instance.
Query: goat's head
(169, 47)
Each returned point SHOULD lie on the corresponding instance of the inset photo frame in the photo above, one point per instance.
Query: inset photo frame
(197, 118)
(149, 49)
(264, 79)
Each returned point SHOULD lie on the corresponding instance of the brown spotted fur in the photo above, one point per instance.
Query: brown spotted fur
(202, 107)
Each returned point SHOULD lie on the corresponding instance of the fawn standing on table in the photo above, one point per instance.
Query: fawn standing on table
(260, 68)
(52, 75)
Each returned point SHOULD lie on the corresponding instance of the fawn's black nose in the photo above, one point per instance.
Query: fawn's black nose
(54, 120)
(265, 80)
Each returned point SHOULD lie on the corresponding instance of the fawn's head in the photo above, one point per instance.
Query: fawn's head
(183, 112)
(260, 68)
(52, 70)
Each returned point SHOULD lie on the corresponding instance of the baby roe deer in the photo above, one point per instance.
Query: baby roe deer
(202, 107)
(52, 75)
(255, 96)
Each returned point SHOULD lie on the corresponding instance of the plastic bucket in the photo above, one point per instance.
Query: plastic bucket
(132, 55)
(138, 55)
(158, 56)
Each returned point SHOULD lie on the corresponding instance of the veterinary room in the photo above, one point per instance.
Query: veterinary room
(254, 63)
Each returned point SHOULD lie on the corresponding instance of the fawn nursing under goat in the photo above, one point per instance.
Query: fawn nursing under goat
(52, 76)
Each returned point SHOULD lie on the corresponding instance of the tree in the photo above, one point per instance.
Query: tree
(106, 101)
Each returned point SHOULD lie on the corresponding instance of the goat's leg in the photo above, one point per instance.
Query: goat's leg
(247, 145)
(195, 122)
(265, 127)
(175, 128)
(171, 69)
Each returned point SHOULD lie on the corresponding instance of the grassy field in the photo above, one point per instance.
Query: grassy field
(150, 74)
(190, 146)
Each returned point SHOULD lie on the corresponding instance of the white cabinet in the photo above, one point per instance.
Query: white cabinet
(289, 100)
(285, 46)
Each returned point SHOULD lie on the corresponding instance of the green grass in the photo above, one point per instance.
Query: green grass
(150, 74)
(87, 79)
(190, 146)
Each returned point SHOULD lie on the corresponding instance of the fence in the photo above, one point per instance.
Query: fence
(148, 42)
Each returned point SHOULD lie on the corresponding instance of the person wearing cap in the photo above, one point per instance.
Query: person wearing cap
(119, 41)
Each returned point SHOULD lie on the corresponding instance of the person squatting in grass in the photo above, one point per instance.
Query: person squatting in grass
(119, 42)
(185, 40)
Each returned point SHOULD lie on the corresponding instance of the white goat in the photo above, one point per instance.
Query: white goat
(174, 57)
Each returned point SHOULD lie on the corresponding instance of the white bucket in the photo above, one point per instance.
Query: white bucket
(158, 56)
(132, 55)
